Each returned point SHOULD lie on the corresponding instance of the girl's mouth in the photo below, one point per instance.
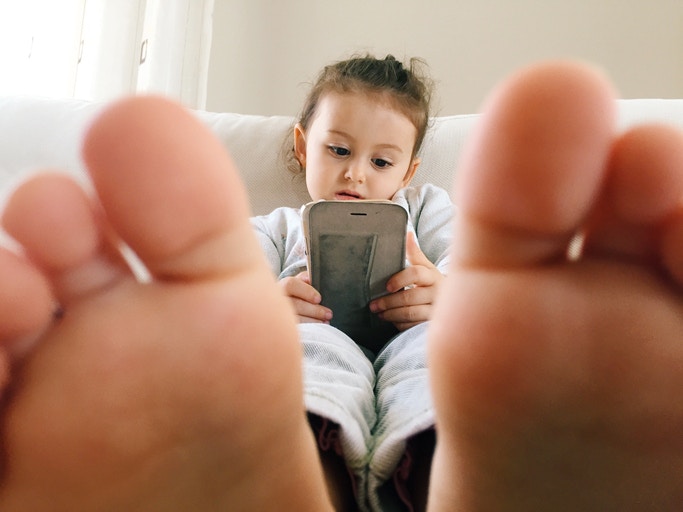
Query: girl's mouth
(347, 195)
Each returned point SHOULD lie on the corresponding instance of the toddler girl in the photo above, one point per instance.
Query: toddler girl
(358, 137)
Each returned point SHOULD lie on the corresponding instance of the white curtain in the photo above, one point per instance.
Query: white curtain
(39, 42)
(101, 49)
(175, 48)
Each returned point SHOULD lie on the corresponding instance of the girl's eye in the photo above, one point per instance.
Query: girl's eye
(339, 151)
(381, 163)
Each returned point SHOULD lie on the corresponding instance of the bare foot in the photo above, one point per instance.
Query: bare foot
(183, 393)
(558, 383)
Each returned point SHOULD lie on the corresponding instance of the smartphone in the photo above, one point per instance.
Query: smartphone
(353, 248)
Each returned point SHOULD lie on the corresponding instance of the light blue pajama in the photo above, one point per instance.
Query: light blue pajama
(378, 404)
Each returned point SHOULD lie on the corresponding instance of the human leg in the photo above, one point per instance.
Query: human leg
(155, 396)
(403, 437)
(377, 418)
(556, 381)
(339, 394)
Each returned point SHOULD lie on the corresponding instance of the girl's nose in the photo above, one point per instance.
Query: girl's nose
(355, 173)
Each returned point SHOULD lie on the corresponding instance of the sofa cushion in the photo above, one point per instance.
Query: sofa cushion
(39, 133)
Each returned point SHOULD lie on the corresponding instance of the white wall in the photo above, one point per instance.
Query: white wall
(265, 51)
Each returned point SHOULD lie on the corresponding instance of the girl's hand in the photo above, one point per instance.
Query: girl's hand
(412, 291)
(306, 299)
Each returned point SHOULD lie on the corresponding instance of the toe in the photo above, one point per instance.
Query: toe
(535, 165)
(58, 228)
(646, 177)
(26, 303)
(642, 195)
(176, 199)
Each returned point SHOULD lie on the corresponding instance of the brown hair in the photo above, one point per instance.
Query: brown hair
(407, 87)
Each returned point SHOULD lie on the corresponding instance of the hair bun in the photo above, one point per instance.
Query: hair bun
(390, 59)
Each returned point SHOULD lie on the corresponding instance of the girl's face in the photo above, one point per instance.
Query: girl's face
(356, 147)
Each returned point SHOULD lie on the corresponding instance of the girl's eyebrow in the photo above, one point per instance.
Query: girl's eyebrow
(383, 146)
(390, 146)
(340, 132)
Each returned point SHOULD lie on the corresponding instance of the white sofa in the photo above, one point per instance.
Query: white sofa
(37, 133)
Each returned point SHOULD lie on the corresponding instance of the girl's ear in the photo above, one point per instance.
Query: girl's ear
(410, 172)
(300, 144)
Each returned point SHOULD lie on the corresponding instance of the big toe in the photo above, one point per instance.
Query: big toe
(170, 190)
(535, 165)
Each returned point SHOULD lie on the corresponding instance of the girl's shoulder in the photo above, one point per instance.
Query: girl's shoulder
(284, 214)
(284, 221)
(421, 195)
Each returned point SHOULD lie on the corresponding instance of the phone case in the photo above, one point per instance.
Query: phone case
(353, 248)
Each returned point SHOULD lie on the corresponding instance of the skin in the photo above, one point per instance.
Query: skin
(551, 393)
(556, 380)
(358, 146)
(132, 421)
